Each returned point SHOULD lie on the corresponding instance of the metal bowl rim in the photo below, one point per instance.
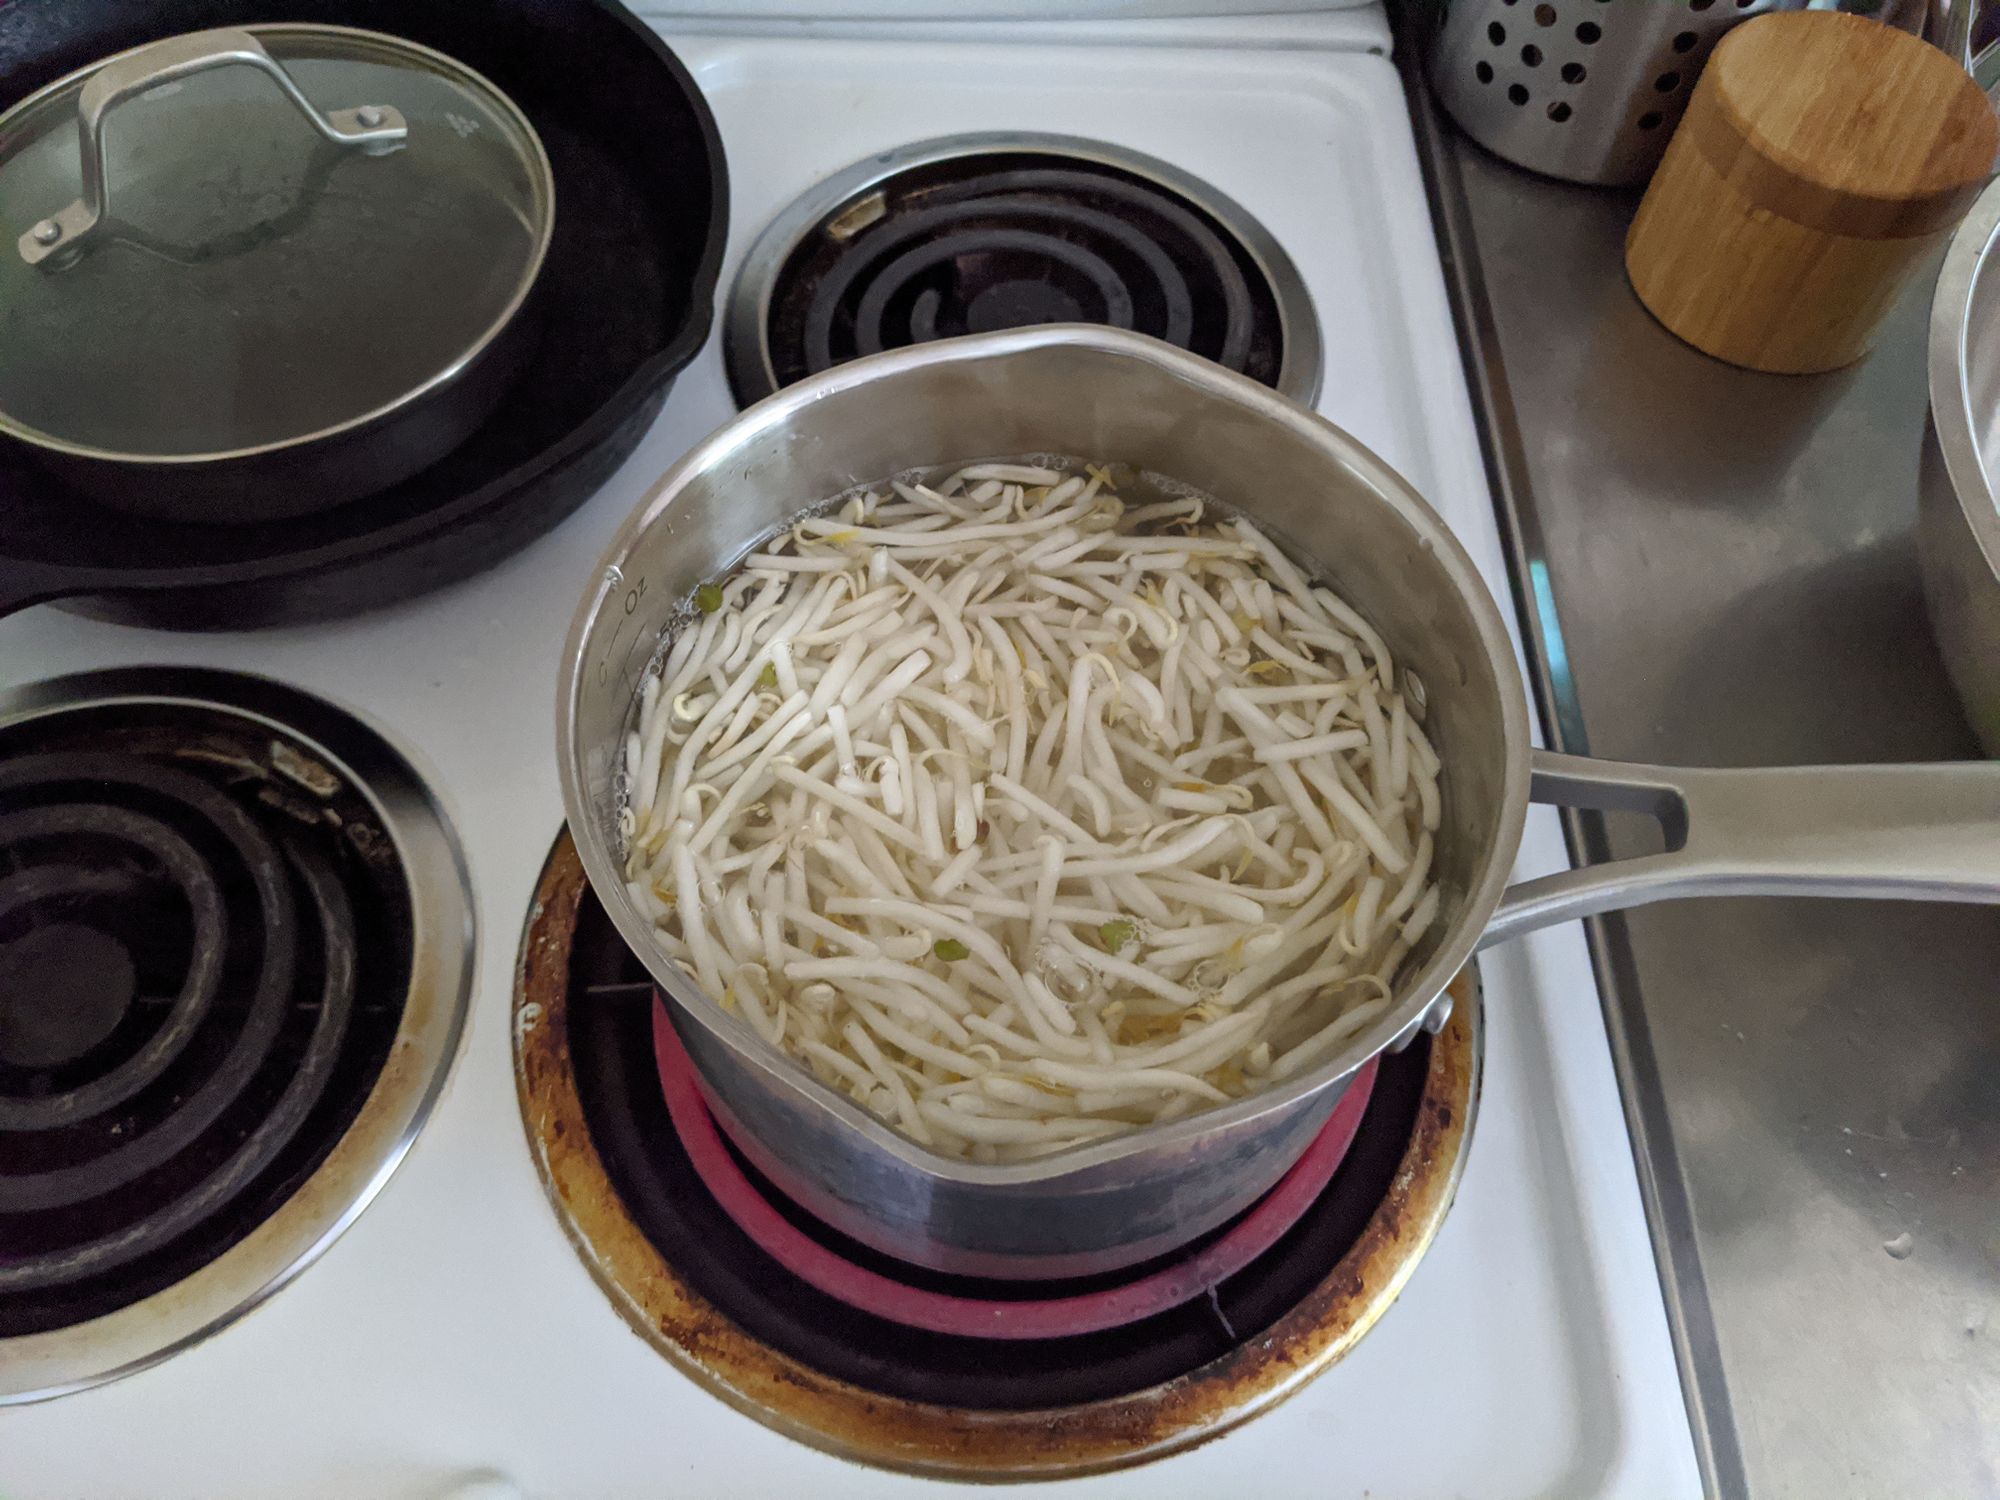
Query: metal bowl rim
(1970, 256)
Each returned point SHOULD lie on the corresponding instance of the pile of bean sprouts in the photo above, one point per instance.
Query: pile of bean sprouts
(1027, 816)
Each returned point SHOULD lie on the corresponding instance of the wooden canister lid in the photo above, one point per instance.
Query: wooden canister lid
(1845, 125)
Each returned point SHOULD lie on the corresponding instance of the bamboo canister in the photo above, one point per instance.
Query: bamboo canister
(1821, 157)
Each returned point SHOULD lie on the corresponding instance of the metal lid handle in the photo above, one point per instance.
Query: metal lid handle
(1924, 832)
(369, 126)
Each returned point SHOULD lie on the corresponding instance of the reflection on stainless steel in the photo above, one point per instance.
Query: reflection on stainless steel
(1717, 567)
(319, 746)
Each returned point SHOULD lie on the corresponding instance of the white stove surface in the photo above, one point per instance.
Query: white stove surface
(452, 1329)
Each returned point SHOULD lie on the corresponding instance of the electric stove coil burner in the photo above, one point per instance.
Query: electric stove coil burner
(209, 951)
(99, 870)
(1197, 1269)
(978, 233)
(688, 1278)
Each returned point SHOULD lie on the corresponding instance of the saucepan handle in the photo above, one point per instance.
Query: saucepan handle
(1917, 833)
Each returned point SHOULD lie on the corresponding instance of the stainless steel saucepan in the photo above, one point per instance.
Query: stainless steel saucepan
(1913, 831)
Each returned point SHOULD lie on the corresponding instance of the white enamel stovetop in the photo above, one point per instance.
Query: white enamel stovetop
(452, 1329)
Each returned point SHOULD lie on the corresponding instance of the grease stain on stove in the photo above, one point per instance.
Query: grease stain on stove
(1148, 1395)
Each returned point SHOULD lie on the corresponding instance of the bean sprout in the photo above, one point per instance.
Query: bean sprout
(1025, 818)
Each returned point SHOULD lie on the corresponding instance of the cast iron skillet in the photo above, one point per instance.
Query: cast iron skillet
(627, 295)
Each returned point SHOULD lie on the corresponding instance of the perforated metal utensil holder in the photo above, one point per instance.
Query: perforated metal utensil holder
(1588, 90)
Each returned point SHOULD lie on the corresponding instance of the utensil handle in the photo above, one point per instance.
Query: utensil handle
(1919, 833)
(372, 127)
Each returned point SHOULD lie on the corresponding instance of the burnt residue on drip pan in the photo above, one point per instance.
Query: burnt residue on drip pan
(235, 954)
(1105, 1401)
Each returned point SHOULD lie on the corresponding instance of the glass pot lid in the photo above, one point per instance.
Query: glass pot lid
(238, 240)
